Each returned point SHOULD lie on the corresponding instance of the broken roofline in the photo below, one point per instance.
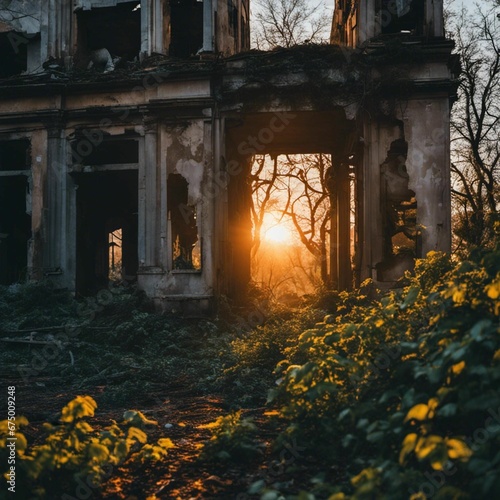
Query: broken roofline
(312, 59)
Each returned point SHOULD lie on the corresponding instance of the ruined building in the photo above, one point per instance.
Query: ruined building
(143, 117)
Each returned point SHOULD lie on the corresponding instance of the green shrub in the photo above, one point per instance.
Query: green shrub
(405, 390)
(233, 438)
(73, 455)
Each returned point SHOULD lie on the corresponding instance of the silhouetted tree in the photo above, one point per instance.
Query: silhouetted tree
(284, 23)
(476, 127)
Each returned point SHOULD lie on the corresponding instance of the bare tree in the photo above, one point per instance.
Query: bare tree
(284, 23)
(309, 206)
(295, 186)
(476, 127)
(17, 10)
(264, 191)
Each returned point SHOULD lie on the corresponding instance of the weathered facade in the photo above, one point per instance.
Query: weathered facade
(145, 116)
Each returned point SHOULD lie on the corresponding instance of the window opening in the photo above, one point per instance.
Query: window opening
(183, 222)
(116, 30)
(402, 16)
(13, 54)
(115, 255)
(186, 23)
(15, 228)
(400, 214)
(15, 155)
(92, 148)
(107, 204)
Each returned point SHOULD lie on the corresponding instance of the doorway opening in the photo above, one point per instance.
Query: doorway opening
(294, 200)
(15, 228)
(291, 221)
(107, 237)
(15, 209)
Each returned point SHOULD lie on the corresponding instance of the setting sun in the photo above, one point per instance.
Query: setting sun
(277, 234)
(274, 231)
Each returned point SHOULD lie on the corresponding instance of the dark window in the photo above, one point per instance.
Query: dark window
(183, 225)
(15, 155)
(106, 203)
(186, 24)
(15, 228)
(13, 54)
(398, 16)
(117, 29)
(92, 149)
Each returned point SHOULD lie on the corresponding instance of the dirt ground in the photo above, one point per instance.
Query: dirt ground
(180, 412)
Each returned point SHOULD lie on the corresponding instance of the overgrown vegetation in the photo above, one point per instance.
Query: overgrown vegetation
(404, 390)
(73, 456)
(388, 396)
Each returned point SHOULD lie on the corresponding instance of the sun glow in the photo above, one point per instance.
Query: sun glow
(275, 232)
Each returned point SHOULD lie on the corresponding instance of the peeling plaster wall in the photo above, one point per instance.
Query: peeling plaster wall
(38, 196)
(185, 157)
(186, 151)
(378, 137)
(427, 129)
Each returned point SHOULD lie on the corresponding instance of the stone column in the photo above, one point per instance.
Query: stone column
(340, 226)
(334, 242)
(148, 201)
(208, 26)
(344, 227)
(38, 187)
(152, 23)
(54, 233)
(210, 192)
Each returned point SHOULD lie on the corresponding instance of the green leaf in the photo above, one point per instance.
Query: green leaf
(387, 396)
(362, 423)
(409, 444)
(343, 414)
(458, 449)
(376, 437)
(98, 452)
(256, 487)
(137, 418)
(483, 402)
(409, 398)
(81, 406)
(477, 330)
(408, 347)
(347, 440)
(459, 353)
(332, 339)
(137, 435)
(223, 455)
(478, 466)
(411, 297)
(448, 410)
(418, 412)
